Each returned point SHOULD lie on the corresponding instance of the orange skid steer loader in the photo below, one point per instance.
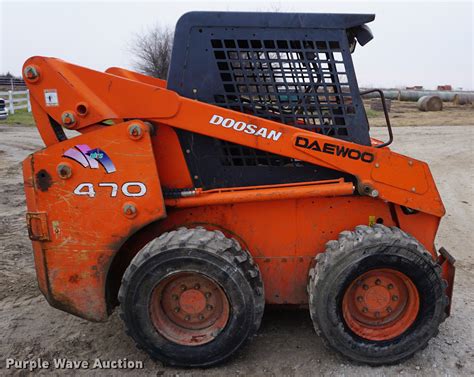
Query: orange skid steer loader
(248, 178)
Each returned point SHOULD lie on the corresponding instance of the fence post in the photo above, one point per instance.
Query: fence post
(11, 109)
(28, 100)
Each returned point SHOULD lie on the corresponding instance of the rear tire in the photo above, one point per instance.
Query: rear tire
(191, 297)
(376, 295)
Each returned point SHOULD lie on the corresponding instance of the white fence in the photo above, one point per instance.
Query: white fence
(17, 100)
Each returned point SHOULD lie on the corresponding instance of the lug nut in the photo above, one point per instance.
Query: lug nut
(389, 309)
(377, 282)
(187, 318)
(365, 286)
(197, 286)
(208, 294)
(175, 297)
(395, 298)
(201, 317)
(390, 286)
(360, 298)
(176, 309)
(209, 307)
(183, 287)
(365, 310)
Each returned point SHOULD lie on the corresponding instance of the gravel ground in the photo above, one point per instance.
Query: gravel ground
(286, 344)
(404, 113)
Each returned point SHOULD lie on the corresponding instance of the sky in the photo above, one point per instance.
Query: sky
(425, 43)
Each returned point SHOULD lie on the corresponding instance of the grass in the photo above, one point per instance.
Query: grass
(372, 113)
(20, 117)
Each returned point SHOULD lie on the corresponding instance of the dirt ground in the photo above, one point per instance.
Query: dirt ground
(405, 113)
(286, 344)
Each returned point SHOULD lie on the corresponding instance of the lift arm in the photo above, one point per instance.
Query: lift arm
(63, 94)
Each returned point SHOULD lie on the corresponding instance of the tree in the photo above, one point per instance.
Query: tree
(152, 51)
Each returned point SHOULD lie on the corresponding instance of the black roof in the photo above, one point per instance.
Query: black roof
(274, 20)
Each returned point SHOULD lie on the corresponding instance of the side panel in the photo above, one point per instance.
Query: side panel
(85, 197)
(174, 173)
(284, 236)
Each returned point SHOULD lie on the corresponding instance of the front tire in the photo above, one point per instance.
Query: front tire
(376, 295)
(191, 297)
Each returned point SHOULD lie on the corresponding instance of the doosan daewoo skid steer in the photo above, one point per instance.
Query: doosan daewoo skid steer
(247, 178)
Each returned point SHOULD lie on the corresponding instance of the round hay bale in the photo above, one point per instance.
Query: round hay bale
(463, 99)
(430, 103)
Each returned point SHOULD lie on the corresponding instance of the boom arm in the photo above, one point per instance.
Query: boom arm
(82, 99)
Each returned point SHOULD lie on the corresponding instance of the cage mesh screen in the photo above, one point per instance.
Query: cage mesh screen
(299, 83)
(293, 68)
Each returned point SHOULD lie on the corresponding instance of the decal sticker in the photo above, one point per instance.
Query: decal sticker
(336, 150)
(240, 126)
(130, 189)
(91, 158)
(51, 97)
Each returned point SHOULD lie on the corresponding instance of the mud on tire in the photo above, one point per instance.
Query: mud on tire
(204, 272)
(359, 252)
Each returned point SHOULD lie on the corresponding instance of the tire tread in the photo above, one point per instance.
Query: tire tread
(349, 241)
(214, 242)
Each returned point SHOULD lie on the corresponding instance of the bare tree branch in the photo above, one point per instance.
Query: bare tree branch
(152, 51)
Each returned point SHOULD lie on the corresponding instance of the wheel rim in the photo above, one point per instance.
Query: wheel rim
(380, 304)
(189, 308)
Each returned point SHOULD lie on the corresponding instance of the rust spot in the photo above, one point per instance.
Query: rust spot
(96, 273)
(43, 180)
(74, 278)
